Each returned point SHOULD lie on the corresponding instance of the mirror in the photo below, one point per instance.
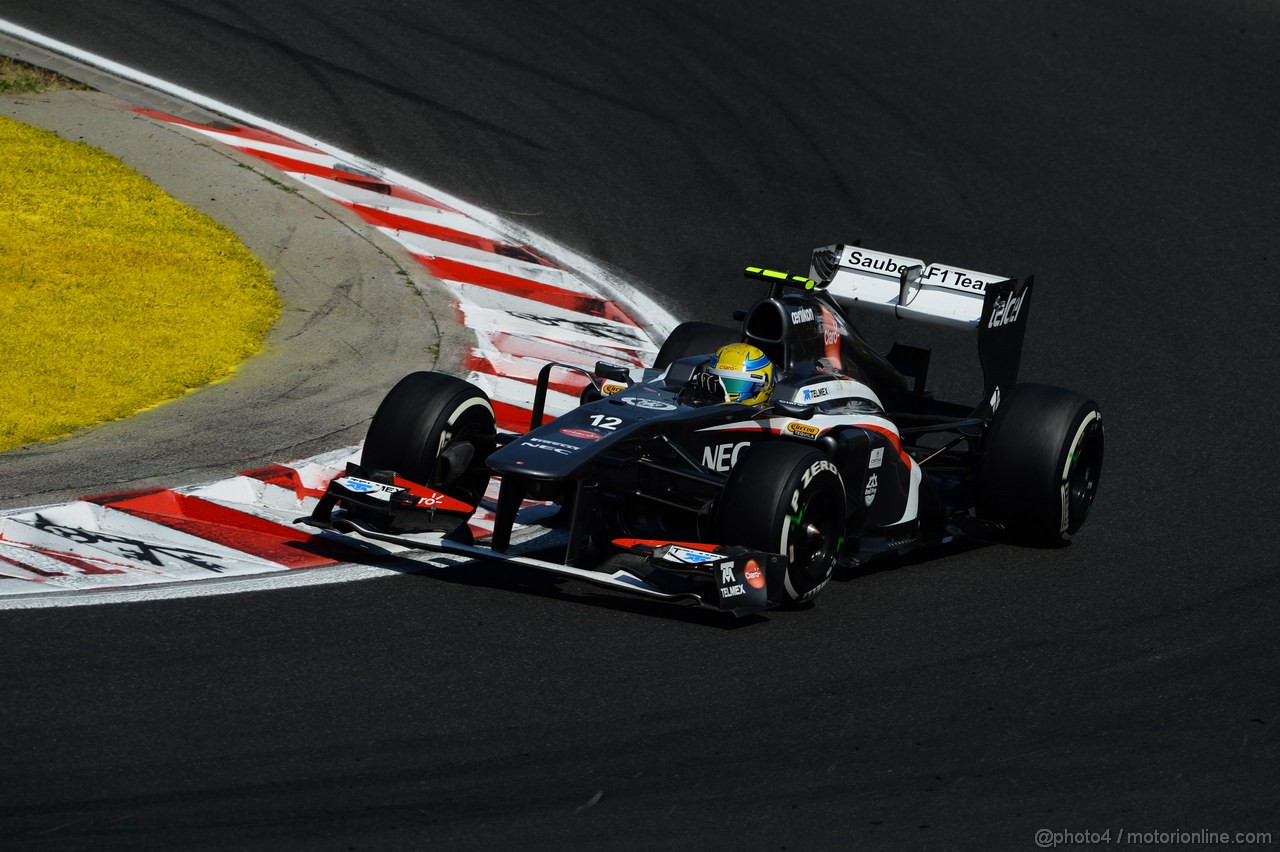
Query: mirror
(798, 410)
(613, 372)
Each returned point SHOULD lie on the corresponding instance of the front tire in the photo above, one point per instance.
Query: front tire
(434, 429)
(1041, 465)
(788, 499)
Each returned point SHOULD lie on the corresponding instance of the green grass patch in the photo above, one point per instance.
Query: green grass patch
(114, 297)
(19, 78)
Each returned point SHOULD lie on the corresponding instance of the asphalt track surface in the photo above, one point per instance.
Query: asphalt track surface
(1122, 151)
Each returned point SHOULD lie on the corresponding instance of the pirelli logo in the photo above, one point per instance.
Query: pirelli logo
(804, 430)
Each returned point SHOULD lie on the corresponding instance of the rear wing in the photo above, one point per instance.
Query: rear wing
(903, 286)
(997, 308)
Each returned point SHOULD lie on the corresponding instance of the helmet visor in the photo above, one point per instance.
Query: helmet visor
(739, 384)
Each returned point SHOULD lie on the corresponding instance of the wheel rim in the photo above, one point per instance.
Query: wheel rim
(476, 428)
(813, 540)
(1082, 479)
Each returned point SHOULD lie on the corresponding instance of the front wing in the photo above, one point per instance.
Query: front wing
(722, 578)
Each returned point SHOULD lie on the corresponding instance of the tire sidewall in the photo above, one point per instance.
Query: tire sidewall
(1089, 429)
(418, 419)
(1030, 454)
(773, 492)
(817, 482)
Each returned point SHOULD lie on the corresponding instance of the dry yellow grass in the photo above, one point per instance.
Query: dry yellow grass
(114, 297)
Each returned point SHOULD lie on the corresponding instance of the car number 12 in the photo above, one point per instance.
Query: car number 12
(600, 421)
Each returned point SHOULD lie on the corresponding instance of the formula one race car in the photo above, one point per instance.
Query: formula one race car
(747, 462)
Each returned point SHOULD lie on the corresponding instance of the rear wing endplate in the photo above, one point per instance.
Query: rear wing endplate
(997, 308)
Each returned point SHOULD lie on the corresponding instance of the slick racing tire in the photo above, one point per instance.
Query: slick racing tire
(693, 338)
(1041, 464)
(434, 429)
(788, 499)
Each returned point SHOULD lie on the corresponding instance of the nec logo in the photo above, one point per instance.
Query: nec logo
(722, 457)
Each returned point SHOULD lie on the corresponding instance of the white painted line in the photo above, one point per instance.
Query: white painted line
(180, 591)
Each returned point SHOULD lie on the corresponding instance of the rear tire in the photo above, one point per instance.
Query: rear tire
(1042, 461)
(424, 416)
(789, 499)
(693, 338)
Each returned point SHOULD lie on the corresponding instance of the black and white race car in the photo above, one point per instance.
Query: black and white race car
(668, 483)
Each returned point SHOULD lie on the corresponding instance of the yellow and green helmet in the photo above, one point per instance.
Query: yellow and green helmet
(745, 372)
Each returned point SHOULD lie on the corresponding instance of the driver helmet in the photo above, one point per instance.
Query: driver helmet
(745, 371)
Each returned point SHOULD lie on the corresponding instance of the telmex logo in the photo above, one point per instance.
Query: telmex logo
(804, 430)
